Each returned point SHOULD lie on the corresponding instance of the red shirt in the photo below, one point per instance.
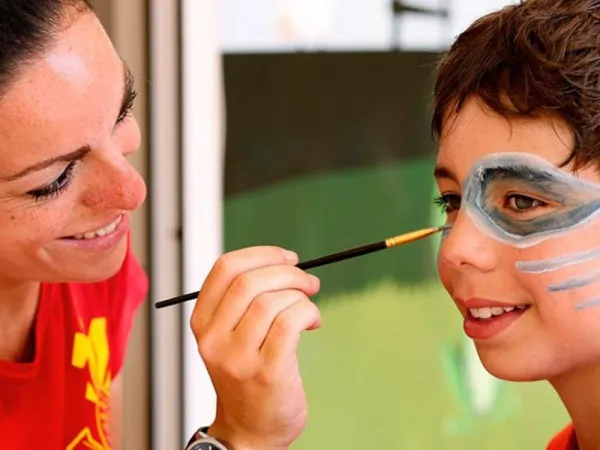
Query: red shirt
(565, 440)
(61, 399)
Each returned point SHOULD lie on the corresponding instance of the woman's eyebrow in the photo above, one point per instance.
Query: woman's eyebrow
(68, 157)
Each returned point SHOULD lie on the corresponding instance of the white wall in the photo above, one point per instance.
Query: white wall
(202, 186)
(346, 25)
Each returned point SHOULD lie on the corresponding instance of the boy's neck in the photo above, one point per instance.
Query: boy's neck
(580, 392)
(18, 306)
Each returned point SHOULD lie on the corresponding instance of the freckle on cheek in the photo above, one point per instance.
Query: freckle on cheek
(129, 197)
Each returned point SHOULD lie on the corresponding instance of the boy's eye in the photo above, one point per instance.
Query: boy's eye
(522, 203)
(448, 202)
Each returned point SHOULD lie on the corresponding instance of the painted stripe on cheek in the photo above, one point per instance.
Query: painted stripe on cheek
(550, 264)
(575, 282)
(589, 303)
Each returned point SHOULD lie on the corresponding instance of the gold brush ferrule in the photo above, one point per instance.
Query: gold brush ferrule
(409, 237)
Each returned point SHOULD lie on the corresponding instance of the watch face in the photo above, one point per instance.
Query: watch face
(205, 446)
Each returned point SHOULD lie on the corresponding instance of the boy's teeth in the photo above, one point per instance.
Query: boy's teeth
(486, 313)
(101, 232)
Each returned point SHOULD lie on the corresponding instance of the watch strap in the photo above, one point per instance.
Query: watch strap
(200, 432)
(200, 436)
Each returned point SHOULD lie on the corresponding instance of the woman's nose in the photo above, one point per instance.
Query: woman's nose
(116, 185)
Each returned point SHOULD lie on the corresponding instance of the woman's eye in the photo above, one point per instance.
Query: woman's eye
(57, 186)
(522, 203)
(127, 106)
(448, 202)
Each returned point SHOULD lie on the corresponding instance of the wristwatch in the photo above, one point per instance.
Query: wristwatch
(202, 441)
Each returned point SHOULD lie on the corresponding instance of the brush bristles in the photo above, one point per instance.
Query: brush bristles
(410, 237)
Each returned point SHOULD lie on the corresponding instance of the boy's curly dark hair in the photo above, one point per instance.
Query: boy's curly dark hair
(535, 58)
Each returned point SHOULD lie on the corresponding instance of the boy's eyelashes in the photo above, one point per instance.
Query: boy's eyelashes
(515, 203)
(448, 202)
(520, 204)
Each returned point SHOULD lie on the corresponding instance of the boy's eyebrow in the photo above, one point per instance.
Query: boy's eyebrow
(441, 171)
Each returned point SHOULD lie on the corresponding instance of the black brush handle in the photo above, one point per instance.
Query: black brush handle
(177, 300)
(342, 256)
(311, 264)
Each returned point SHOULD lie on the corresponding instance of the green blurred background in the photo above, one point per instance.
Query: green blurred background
(321, 161)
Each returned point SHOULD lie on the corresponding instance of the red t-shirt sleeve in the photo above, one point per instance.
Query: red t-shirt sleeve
(563, 440)
(128, 289)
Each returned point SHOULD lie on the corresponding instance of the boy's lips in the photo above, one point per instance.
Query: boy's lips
(484, 319)
(477, 302)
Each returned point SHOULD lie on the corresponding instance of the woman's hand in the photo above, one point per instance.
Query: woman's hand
(248, 319)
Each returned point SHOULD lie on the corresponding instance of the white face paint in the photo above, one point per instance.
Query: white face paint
(522, 200)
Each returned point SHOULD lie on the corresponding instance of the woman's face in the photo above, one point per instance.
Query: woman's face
(65, 181)
(522, 258)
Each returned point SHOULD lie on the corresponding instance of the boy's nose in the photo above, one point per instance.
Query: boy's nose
(465, 246)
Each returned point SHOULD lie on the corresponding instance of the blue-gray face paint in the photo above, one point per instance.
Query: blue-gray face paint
(569, 203)
(551, 264)
(588, 303)
(446, 232)
(572, 202)
(575, 282)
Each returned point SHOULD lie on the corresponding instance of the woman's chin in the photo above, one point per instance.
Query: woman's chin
(91, 270)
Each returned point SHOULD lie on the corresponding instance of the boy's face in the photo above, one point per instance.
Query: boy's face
(522, 259)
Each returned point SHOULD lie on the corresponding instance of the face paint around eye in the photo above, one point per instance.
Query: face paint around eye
(446, 232)
(573, 201)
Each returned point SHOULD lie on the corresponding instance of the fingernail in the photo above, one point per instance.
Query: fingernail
(290, 256)
(315, 281)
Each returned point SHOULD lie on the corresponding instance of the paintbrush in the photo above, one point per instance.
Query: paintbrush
(336, 257)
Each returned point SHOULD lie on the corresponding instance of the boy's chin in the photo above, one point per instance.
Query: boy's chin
(514, 366)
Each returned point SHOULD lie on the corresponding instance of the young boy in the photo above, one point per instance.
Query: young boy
(517, 113)
(517, 116)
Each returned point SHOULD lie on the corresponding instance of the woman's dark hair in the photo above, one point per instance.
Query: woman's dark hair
(535, 58)
(27, 27)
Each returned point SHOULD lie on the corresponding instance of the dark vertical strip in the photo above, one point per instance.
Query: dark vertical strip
(183, 326)
(151, 226)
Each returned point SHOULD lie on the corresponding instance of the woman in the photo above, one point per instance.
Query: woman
(517, 114)
(69, 284)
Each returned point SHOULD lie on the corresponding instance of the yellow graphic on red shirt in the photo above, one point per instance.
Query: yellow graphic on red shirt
(91, 350)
